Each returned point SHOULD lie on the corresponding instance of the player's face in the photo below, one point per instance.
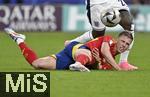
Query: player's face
(123, 43)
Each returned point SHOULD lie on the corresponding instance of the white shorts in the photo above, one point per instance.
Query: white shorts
(95, 10)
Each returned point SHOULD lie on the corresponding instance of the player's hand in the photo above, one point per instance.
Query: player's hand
(95, 53)
(105, 67)
(127, 67)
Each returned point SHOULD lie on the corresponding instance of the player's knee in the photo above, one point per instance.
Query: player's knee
(98, 33)
(83, 52)
(45, 63)
(126, 20)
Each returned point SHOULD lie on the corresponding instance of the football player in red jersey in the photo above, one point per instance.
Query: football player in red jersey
(94, 9)
(77, 56)
(104, 49)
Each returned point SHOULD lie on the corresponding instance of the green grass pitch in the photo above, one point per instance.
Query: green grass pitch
(81, 84)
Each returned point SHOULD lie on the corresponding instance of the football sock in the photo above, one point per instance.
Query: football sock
(29, 55)
(85, 37)
(124, 56)
(83, 59)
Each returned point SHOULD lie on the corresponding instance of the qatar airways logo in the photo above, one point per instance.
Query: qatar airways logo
(28, 17)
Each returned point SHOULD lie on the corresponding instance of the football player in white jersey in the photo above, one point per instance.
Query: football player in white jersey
(94, 9)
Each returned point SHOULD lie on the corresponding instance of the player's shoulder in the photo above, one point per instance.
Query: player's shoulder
(108, 38)
(105, 38)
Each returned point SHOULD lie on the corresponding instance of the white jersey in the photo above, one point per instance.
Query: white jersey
(97, 1)
(106, 2)
(96, 7)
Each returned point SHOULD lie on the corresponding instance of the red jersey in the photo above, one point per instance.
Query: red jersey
(97, 43)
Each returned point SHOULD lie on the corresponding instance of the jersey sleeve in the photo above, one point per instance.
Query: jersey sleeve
(108, 39)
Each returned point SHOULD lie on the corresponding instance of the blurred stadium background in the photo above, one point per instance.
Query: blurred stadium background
(61, 15)
(48, 23)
